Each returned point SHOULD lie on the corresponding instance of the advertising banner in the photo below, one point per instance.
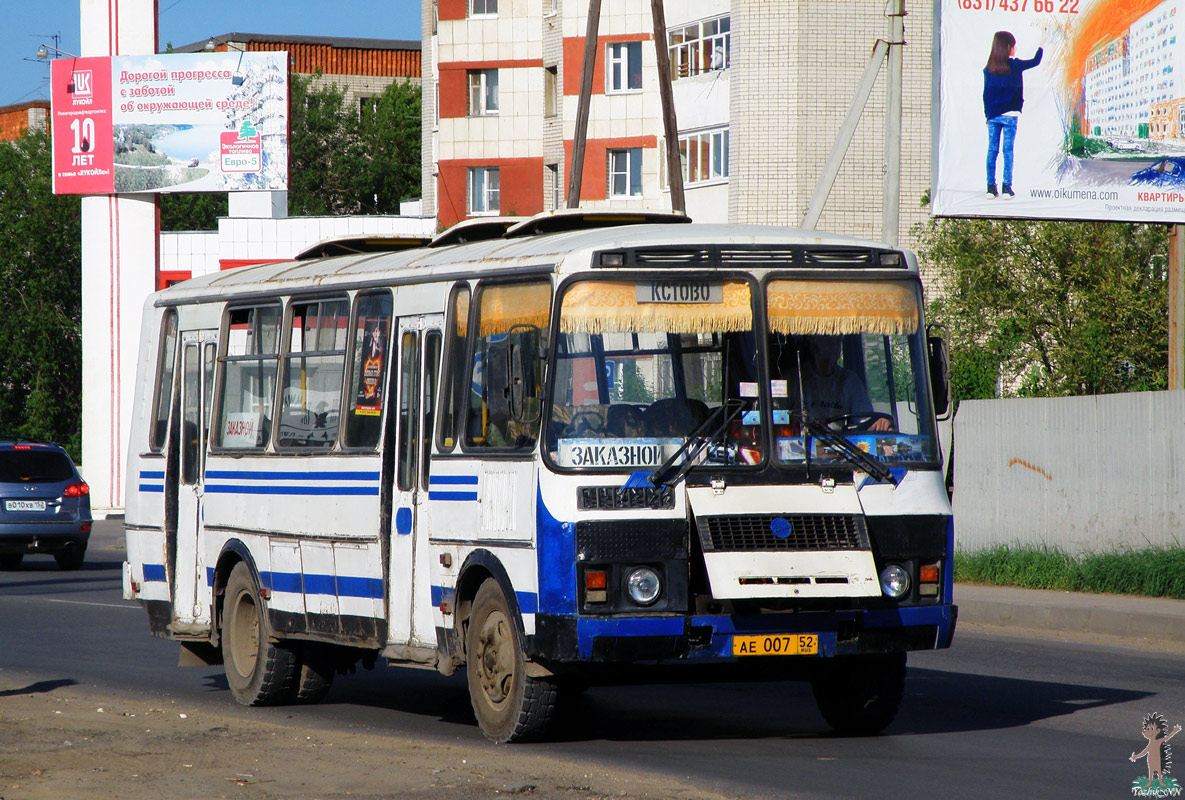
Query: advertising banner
(1080, 114)
(185, 122)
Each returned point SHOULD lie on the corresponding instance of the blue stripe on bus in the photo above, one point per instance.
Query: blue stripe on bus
(528, 602)
(232, 488)
(469, 480)
(454, 496)
(148, 474)
(154, 572)
(151, 487)
(339, 586)
(257, 475)
(555, 555)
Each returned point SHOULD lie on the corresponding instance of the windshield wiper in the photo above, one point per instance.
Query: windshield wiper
(658, 477)
(843, 447)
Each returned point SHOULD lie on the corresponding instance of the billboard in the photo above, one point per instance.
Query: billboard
(1100, 134)
(188, 122)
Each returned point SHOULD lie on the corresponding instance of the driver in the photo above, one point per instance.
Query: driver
(830, 389)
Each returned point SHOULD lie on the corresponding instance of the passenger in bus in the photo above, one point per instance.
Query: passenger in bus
(830, 389)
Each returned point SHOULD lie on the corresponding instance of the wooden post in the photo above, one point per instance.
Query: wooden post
(576, 169)
(670, 128)
(1176, 291)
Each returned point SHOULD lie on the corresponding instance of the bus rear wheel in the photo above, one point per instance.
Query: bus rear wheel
(860, 695)
(510, 705)
(260, 672)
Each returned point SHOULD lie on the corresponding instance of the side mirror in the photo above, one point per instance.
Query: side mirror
(939, 358)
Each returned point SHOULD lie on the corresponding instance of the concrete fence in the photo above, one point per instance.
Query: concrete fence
(1084, 474)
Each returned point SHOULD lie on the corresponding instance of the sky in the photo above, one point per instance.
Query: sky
(27, 25)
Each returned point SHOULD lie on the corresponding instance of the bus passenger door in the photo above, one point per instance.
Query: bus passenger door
(188, 572)
(410, 595)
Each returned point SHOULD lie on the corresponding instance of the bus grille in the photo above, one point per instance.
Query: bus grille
(749, 532)
(638, 539)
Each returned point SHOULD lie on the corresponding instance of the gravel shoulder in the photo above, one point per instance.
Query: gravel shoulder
(77, 742)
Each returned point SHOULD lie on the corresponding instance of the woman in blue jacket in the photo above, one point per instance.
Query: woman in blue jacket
(1003, 96)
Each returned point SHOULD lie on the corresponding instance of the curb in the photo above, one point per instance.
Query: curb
(1136, 618)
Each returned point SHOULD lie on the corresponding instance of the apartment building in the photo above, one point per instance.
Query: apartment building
(760, 90)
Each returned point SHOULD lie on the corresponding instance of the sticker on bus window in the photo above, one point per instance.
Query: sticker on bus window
(679, 292)
(748, 389)
(778, 388)
(242, 430)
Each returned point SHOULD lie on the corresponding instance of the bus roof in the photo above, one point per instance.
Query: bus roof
(642, 246)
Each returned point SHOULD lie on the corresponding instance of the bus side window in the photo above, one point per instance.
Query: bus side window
(453, 368)
(409, 398)
(248, 386)
(164, 383)
(517, 315)
(364, 407)
(311, 401)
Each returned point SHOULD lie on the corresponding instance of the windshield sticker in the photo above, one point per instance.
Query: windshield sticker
(748, 389)
(679, 292)
(623, 453)
(778, 388)
(883, 448)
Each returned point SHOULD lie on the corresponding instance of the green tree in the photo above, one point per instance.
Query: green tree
(40, 279)
(192, 211)
(346, 160)
(1050, 308)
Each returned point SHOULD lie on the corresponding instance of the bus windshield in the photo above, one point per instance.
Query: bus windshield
(848, 356)
(642, 365)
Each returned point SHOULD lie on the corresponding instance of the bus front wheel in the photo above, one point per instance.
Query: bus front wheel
(860, 695)
(260, 672)
(509, 705)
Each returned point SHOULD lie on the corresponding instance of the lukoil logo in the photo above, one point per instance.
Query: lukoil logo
(81, 80)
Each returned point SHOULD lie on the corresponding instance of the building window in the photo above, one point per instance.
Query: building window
(483, 8)
(700, 47)
(550, 86)
(704, 156)
(483, 190)
(483, 92)
(553, 188)
(625, 172)
(624, 67)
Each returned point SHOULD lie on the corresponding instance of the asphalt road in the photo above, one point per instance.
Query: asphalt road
(992, 717)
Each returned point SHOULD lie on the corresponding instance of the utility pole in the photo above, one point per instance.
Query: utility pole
(670, 128)
(1176, 291)
(891, 186)
(884, 50)
(576, 170)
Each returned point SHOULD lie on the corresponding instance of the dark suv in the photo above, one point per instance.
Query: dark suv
(45, 505)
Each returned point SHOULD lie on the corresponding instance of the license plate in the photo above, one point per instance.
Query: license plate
(780, 644)
(24, 505)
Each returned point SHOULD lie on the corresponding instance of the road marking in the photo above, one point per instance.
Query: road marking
(81, 602)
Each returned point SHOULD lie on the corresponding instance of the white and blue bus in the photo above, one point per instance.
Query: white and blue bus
(551, 452)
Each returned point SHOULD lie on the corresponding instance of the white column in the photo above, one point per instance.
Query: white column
(120, 235)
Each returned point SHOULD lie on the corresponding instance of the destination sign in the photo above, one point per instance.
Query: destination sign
(616, 453)
(679, 292)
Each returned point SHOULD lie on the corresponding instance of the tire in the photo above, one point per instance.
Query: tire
(860, 695)
(259, 672)
(510, 706)
(314, 674)
(10, 561)
(70, 558)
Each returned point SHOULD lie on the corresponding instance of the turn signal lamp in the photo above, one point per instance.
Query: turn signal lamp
(595, 584)
(928, 580)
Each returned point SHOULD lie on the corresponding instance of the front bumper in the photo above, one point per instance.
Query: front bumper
(708, 639)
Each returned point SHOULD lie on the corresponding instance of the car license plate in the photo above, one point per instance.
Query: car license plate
(779, 644)
(24, 505)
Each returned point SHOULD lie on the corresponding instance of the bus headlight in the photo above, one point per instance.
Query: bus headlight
(894, 581)
(643, 585)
